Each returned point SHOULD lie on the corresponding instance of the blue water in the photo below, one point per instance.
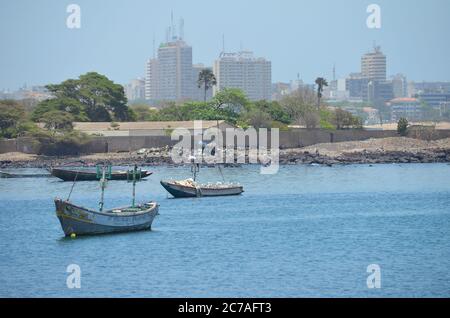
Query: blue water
(308, 231)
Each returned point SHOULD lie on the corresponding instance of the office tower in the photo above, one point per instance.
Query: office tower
(357, 86)
(135, 90)
(175, 80)
(379, 92)
(400, 86)
(151, 80)
(169, 76)
(241, 70)
(373, 65)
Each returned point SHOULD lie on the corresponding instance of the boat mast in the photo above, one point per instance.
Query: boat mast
(195, 169)
(103, 186)
(134, 176)
(103, 175)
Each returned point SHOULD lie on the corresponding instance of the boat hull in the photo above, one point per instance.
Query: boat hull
(79, 175)
(180, 191)
(18, 175)
(82, 221)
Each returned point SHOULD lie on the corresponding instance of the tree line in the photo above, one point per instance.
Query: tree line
(93, 97)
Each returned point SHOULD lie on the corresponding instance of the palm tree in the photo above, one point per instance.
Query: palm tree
(321, 82)
(206, 79)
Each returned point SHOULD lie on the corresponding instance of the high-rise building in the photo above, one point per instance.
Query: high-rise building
(151, 79)
(169, 76)
(241, 70)
(400, 86)
(379, 92)
(373, 84)
(175, 71)
(373, 65)
(135, 90)
(357, 86)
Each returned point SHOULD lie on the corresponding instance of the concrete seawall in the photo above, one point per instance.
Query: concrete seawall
(295, 138)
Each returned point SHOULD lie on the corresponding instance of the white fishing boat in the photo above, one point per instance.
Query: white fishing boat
(189, 188)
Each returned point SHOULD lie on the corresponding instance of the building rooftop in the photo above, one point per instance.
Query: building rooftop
(404, 100)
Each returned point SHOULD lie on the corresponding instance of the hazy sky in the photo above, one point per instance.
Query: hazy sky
(298, 36)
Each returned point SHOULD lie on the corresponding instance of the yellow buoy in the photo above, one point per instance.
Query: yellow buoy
(73, 235)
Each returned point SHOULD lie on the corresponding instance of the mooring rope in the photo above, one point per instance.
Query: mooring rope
(221, 173)
(73, 185)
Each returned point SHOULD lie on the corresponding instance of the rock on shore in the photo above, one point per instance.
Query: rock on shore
(372, 151)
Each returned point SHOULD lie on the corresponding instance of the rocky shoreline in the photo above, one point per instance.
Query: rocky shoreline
(438, 156)
(373, 151)
(297, 158)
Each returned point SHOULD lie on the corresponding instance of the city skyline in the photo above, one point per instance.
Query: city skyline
(120, 38)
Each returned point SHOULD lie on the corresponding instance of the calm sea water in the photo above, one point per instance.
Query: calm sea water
(308, 231)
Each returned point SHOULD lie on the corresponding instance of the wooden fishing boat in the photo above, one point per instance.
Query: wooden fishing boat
(86, 175)
(78, 220)
(188, 189)
(191, 188)
(21, 175)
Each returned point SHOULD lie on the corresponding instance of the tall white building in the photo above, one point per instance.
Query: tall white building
(169, 77)
(151, 79)
(400, 86)
(373, 65)
(135, 89)
(241, 70)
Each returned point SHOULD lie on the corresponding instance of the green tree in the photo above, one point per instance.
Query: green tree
(321, 83)
(193, 111)
(64, 104)
(145, 113)
(326, 119)
(300, 107)
(232, 99)
(343, 119)
(58, 120)
(14, 119)
(256, 118)
(274, 109)
(402, 126)
(206, 79)
(11, 114)
(229, 103)
(92, 97)
(173, 112)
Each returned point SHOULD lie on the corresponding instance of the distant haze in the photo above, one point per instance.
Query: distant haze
(298, 36)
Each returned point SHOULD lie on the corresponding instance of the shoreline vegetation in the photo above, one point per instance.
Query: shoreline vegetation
(92, 97)
(372, 151)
